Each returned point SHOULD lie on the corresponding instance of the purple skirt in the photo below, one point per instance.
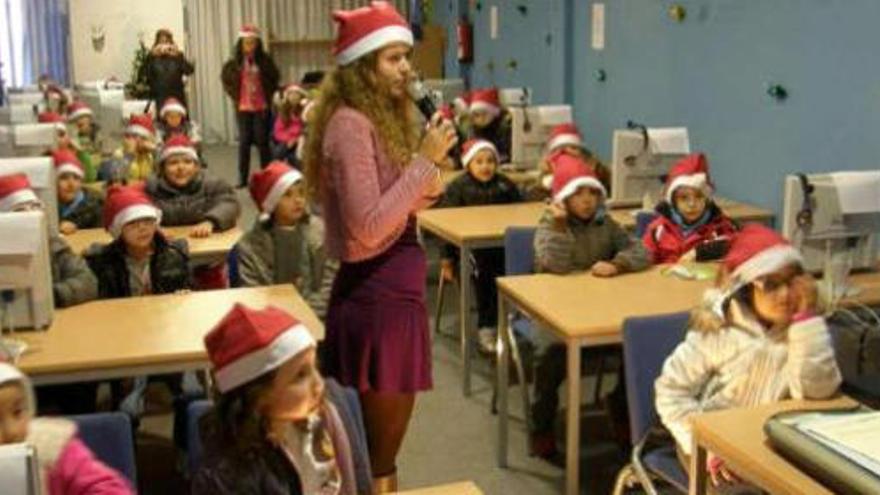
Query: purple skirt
(377, 322)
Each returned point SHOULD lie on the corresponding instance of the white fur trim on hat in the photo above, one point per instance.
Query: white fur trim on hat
(18, 197)
(577, 183)
(697, 181)
(9, 373)
(248, 34)
(373, 41)
(139, 130)
(564, 140)
(278, 189)
(132, 213)
(764, 263)
(80, 113)
(173, 107)
(68, 168)
(244, 369)
(476, 148)
(484, 106)
(179, 150)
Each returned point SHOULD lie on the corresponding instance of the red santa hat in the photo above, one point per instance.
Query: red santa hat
(564, 135)
(141, 125)
(473, 146)
(66, 162)
(178, 144)
(248, 31)
(78, 109)
(11, 374)
(690, 171)
(49, 117)
(446, 111)
(172, 105)
(126, 204)
(366, 29)
(15, 190)
(461, 103)
(486, 100)
(268, 185)
(570, 173)
(754, 252)
(248, 343)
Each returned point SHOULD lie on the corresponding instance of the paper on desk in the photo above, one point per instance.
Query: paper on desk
(859, 192)
(855, 435)
(669, 140)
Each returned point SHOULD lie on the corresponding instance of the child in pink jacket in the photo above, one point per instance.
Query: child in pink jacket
(67, 466)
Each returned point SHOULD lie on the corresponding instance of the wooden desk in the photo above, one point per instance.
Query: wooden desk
(218, 244)
(737, 436)
(581, 311)
(116, 338)
(480, 227)
(463, 488)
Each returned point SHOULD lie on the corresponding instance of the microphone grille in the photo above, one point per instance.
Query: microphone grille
(416, 90)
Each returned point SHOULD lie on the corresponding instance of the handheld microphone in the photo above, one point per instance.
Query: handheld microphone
(420, 96)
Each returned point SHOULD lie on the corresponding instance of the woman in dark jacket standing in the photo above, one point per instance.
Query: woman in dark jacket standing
(166, 67)
(250, 78)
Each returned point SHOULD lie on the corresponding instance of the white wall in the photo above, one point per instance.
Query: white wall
(123, 21)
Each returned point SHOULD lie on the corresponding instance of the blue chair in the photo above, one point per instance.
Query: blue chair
(232, 267)
(647, 342)
(194, 449)
(109, 436)
(643, 219)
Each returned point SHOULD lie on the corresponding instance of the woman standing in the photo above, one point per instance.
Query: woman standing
(250, 78)
(166, 67)
(366, 163)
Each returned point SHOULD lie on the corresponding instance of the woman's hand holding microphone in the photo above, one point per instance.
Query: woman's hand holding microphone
(438, 140)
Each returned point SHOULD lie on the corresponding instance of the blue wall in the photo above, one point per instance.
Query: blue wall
(709, 73)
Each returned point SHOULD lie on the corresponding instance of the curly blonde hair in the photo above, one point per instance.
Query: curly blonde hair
(356, 85)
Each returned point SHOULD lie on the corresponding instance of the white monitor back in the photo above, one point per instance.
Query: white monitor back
(134, 107)
(25, 268)
(18, 114)
(29, 98)
(530, 129)
(449, 89)
(35, 135)
(19, 470)
(515, 97)
(41, 174)
(107, 106)
(833, 229)
(639, 168)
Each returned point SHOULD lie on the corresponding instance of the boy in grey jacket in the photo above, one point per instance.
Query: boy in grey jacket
(574, 235)
(286, 244)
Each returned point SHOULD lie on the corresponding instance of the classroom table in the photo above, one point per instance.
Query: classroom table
(216, 245)
(582, 311)
(115, 338)
(461, 488)
(481, 227)
(737, 436)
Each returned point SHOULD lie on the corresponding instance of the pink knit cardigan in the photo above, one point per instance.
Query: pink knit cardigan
(367, 198)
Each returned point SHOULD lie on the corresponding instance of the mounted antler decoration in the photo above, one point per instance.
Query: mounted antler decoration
(98, 37)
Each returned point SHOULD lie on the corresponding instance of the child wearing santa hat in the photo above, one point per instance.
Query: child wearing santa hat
(758, 338)
(189, 195)
(174, 120)
(72, 281)
(250, 78)
(286, 243)
(135, 160)
(66, 465)
(86, 137)
(271, 429)
(575, 235)
(288, 128)
(78, 208)
(489, 121)
(481, 184)
(689, 225)
(566, 138)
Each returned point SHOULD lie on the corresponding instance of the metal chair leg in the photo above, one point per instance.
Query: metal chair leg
(439, 311)
(520, 372)
(597, 393)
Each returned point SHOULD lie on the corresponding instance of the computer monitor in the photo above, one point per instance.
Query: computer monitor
(530, 129)
(18, 113)
(134, 107)
(449, 89)
(515, 97)
(35, 135)
(29, 98)
(640, 161)
(837, 225)
(41, 174)
(19, 469)
(25, 269)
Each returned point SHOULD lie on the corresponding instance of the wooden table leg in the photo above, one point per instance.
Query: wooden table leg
(503, 352)
(698, 475)
(465, 317)
(573, 419)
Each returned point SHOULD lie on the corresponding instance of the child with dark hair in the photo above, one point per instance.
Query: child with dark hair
(490, 121)
(78, 207)
(86, 138)
(174, 120)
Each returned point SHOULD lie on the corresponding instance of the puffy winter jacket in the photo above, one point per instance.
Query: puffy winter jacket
(72, 281)
(169, 267)
(86, 214)
(204, 198)
(666, 242)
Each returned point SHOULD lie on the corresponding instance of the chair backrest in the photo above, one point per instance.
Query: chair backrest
(194, 448)
(109, 436)
(647, 342)
(643, 219)
(232, 264)
(519, 250)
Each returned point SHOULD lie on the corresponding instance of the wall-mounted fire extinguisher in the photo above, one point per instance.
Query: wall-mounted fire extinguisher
(465, 35)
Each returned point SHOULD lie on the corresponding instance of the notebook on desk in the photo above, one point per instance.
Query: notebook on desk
(841, 449)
